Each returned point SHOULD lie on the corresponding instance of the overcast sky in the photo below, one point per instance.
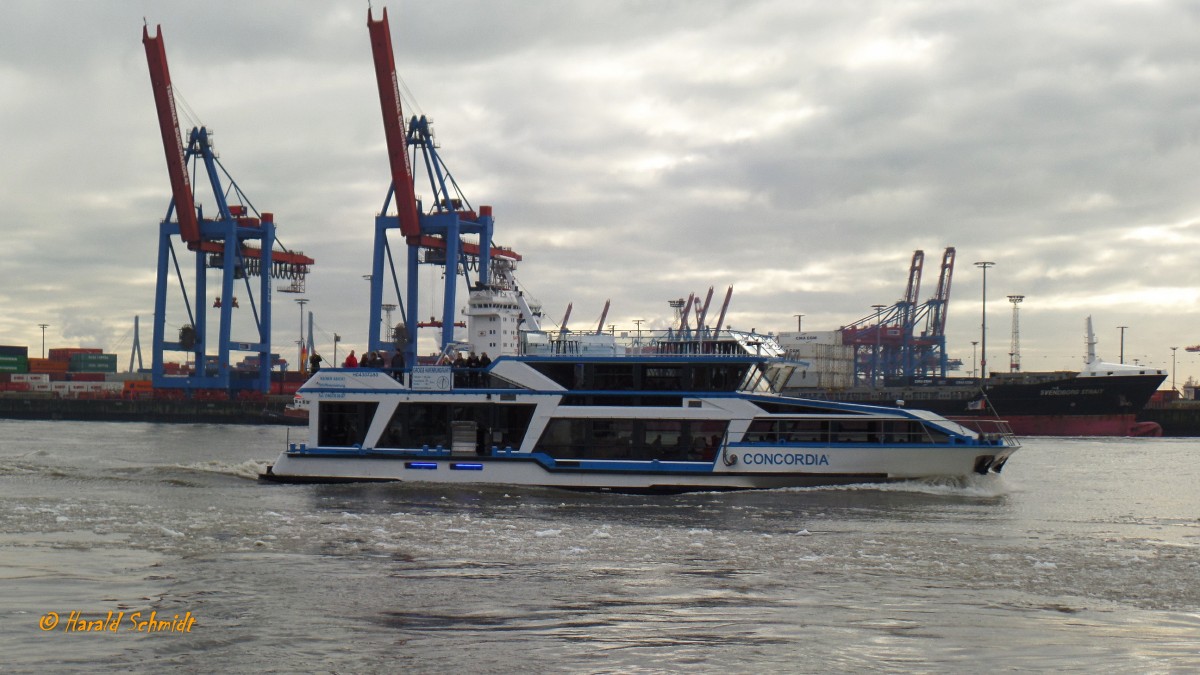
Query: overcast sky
(639, 151)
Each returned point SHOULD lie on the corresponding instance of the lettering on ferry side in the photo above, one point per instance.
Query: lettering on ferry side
(785, 459)
(1072, 392)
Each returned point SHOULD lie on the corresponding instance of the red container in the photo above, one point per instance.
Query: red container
(65, 353)
(87, 377)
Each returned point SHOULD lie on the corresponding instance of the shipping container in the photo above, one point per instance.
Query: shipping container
(65, 353)
(93, 363)
(10, 350)
(87, 377)
(47, 366)
(30, 377)
(13, 364)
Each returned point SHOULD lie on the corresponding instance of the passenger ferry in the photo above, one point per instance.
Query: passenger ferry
(656, 413)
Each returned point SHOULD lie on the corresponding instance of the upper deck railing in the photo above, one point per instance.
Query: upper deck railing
(649, 343)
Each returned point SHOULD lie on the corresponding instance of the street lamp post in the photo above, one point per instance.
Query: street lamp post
(388, 333)
(1173, 367)
(638, 323)
(1122, 342)
(799, 322)
(974, 343)
(984, 265)
(300, 352)
(43, 327)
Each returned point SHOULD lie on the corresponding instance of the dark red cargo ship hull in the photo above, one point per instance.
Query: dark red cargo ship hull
(1080, 425)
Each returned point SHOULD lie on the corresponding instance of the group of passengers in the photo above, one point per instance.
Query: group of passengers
(377, 359)
(471, 361)
(468, 369)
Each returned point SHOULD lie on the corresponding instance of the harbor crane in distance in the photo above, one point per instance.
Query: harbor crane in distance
(886, 343)
(446, 232)
(223, 243)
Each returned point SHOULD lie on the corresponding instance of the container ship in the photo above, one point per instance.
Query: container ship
(1102, 399)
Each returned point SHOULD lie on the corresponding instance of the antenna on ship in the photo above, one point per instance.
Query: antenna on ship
(1090, 342)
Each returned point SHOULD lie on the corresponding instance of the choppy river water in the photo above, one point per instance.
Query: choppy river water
(1083, 556)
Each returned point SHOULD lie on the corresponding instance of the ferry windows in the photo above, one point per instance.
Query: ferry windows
(783, 431)
(795, 408)
(418, 425)
(910, 431)
(803, 431)
(722, 377)
(602, 376)
(854, 431)
(641, 439)
(622, 400)
(563, 374)
(787, 431)
(936, 435)
(611, 377)
(663, 378)
(344, 424)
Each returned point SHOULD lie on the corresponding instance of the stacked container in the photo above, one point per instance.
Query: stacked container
(14, 359)
(88, 362)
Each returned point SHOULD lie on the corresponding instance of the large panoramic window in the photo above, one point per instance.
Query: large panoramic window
(343, 424)
(482, 426)
(658, 376)
(785, 431)
(640, 439)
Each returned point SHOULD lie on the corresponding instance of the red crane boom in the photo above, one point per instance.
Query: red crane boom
(168, 124)
(941, 301)
(393, 124)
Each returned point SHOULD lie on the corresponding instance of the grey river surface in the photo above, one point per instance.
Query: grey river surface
(1083, 557)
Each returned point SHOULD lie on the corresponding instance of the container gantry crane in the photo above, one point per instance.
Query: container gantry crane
(930, 346)
(886, 344)
(222, 243)
(882, 340)
(433, 235)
